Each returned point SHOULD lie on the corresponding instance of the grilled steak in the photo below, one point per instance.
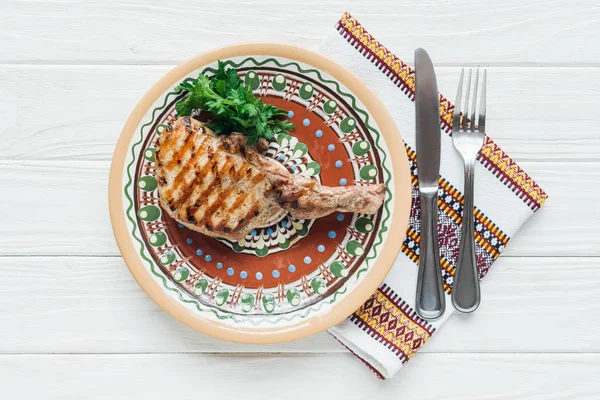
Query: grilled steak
(219, 186)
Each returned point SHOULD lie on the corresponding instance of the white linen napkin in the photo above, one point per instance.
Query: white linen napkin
(386, 332)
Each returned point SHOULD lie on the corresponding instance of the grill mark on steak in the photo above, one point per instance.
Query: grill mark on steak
(189, 189)
(220, 187)
(183, 150)
(180, 181)
(166, 144)
(220, 200)
(202, 198)
(199, 175)
(227, 212)
(204, 192)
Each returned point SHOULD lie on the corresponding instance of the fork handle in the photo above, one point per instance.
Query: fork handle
(465, 290)
(430, 296)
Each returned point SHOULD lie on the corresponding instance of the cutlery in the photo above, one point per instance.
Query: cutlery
(468, 139)
(430, 302)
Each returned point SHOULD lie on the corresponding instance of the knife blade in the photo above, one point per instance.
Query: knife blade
(430, 302)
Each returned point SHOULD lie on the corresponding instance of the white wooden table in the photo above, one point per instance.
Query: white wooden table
(73, 322)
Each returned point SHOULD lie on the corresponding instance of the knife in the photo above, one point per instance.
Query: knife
(430, 296)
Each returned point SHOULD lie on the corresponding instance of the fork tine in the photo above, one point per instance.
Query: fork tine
(465, 109)
(481, 126)
(473, 107)
(456, 116)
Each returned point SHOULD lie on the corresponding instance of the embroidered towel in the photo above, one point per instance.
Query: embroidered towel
(386, 331)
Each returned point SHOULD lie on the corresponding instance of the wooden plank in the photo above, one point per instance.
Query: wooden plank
(77, 112)
(65, 290)
(507, 31)
(428, 376)
(61, 208)
(93, 305)
(66, 112)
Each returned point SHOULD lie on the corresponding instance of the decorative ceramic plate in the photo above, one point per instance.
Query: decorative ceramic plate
(291, 277)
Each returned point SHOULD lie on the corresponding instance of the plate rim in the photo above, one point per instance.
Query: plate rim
(345, 306)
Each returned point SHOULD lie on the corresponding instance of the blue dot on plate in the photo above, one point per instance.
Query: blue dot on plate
(198, 252)
(243, 274)
(281, 157)
(253, 233)
(284, 224)
(319, 133)
(275, 273)
(290, 114)
(259, 275)
(340, 217)
(338, 164)
(269, 231)
(188, 240)
(307, 260)
(321, 248)
(343, 181)
(230, 271)
(180, 225)
(332, 234)
(331, 147)
(292, 268)
(208, 257)
(306, 122)
(219, 265)
(294, 168)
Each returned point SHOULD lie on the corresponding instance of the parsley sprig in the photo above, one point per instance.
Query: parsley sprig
(232, 106)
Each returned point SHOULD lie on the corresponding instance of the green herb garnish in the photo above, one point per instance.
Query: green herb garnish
(232, 106)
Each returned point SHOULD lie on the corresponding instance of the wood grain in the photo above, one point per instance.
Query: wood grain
(63, 210)
(93, 305)
(427, 376)
(138, 32)
(77, 112)
(73, 322)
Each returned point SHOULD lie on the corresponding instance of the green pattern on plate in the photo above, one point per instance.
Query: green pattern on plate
(368, 172)
(318, 285)
(200, 287)
(279, 82)
(364, 225)
(306, 90)
(247, 302)
(149, 213)
(147, 183)
(361, 147)
(221, 297)
(167, 258)
(292, 295)
(313, 168)
(158, 239)
(355, 248)
(348, 124)
(330, 106)
(251, 79)
(150, 154)
(268, 301)
(181, 274)
(338, 269)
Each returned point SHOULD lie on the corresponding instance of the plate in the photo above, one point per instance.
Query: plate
(290, 278)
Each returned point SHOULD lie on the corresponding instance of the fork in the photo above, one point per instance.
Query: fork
(468, 139)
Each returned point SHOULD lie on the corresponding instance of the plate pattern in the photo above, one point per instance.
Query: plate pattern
(289, 268)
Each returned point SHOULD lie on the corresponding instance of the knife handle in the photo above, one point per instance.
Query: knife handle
(431, 302)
